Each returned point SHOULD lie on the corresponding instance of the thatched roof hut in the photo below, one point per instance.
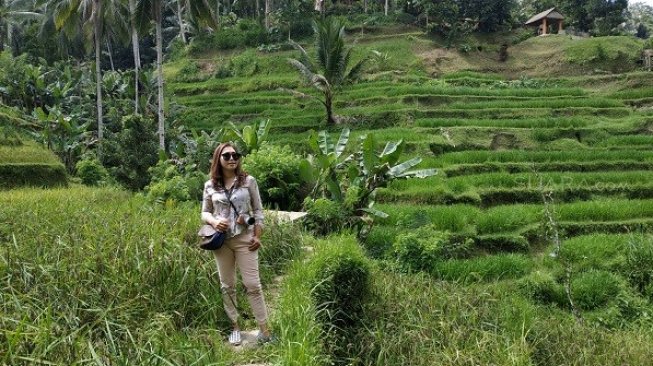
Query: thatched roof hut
(546, 18)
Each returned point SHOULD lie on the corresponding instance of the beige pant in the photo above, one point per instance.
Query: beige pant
(234, 253)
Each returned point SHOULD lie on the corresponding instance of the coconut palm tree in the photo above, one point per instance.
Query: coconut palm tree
(12, 12)
(152, 10)
(95, 16)
(133, 30)
(327, 71)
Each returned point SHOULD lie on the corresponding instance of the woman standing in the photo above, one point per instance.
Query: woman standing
(232, 204)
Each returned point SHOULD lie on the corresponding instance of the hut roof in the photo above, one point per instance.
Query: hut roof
(549, 14)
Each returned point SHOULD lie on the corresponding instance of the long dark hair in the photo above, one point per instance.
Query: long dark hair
(217, 177)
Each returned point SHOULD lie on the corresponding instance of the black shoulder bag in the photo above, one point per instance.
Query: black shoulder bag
(211, 239)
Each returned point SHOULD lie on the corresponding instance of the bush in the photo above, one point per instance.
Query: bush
(32, 174)
(189, 72)
(324, 215)
(341, 282)
(542, 287)
(131, 152)
(91, 171)
(276, 170)
(421, 249)
(489, 268)
(171, 189)
(638, 269)
(172, 183)
(244, 64)
(594, 289)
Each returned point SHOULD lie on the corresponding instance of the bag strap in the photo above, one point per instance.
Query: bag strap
(228, 194)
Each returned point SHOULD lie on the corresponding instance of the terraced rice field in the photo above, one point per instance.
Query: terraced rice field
(499, 146)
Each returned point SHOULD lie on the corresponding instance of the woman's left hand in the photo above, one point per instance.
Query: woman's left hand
(255, 243)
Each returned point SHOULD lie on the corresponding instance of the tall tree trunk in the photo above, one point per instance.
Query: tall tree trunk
(98, 75)
(159, 68)
(365, 6)
(136, 51)
(328, 104)
(387, 5)
(113, 68)
(3, 34)
(258, 9)
(217, 12)
(180, 19)
(268, 8)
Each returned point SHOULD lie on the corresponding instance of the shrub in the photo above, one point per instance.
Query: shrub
(324, 215)
(32, 174)
(173, 183)
(91, 171)
(594, 289)
(244, 64)
(341, 282)
(189, 72)
(276, 170)
(638, 269)
(132, 151)
(421, 249)
(494, 267)
(171, 189)
(542, 287)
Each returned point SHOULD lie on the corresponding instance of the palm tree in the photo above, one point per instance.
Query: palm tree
(11, 13)
(135, 49)
(90, 13)
(327, 71)
(152, 10)
(95, 16)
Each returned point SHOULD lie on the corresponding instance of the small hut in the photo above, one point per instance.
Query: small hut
(544, 19)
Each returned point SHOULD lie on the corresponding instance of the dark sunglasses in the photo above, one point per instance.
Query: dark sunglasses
(230, 156)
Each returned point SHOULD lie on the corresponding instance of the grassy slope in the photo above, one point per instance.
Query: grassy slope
(23, 162)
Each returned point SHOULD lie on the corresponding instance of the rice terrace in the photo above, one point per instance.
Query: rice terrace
(454, 182)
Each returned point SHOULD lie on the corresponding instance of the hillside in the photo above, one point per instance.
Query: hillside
(23, 162)
(569, 119)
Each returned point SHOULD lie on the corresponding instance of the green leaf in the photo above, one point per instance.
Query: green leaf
(367, 149)
(263, 130)
(423, 173)
(342, 142)
(250, 138)
(392, 152)
(323, 139)
(306, 171)
(400, 169)
(313, 142)
(375, 212)
(334, 188)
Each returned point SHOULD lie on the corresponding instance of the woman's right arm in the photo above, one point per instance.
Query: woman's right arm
(219, 224)
(207, 207)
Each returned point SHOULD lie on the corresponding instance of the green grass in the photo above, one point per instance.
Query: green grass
(475, 157)
(101, 274)
(601, 49)
(27, 152)
(511, 218)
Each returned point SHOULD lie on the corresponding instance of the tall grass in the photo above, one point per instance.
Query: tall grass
(28, 152)
(508, 218)
(505, 156)
(296, 322)
(103, 275)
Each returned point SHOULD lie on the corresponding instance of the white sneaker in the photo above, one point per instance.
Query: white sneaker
(234, 338)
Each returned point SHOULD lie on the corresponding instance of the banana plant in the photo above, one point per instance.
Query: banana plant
(376, 170)
(321, 169)
(361, 173)
(251, 138)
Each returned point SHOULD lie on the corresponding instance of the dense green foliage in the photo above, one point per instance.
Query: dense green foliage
(276, 170)
(132, 152)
